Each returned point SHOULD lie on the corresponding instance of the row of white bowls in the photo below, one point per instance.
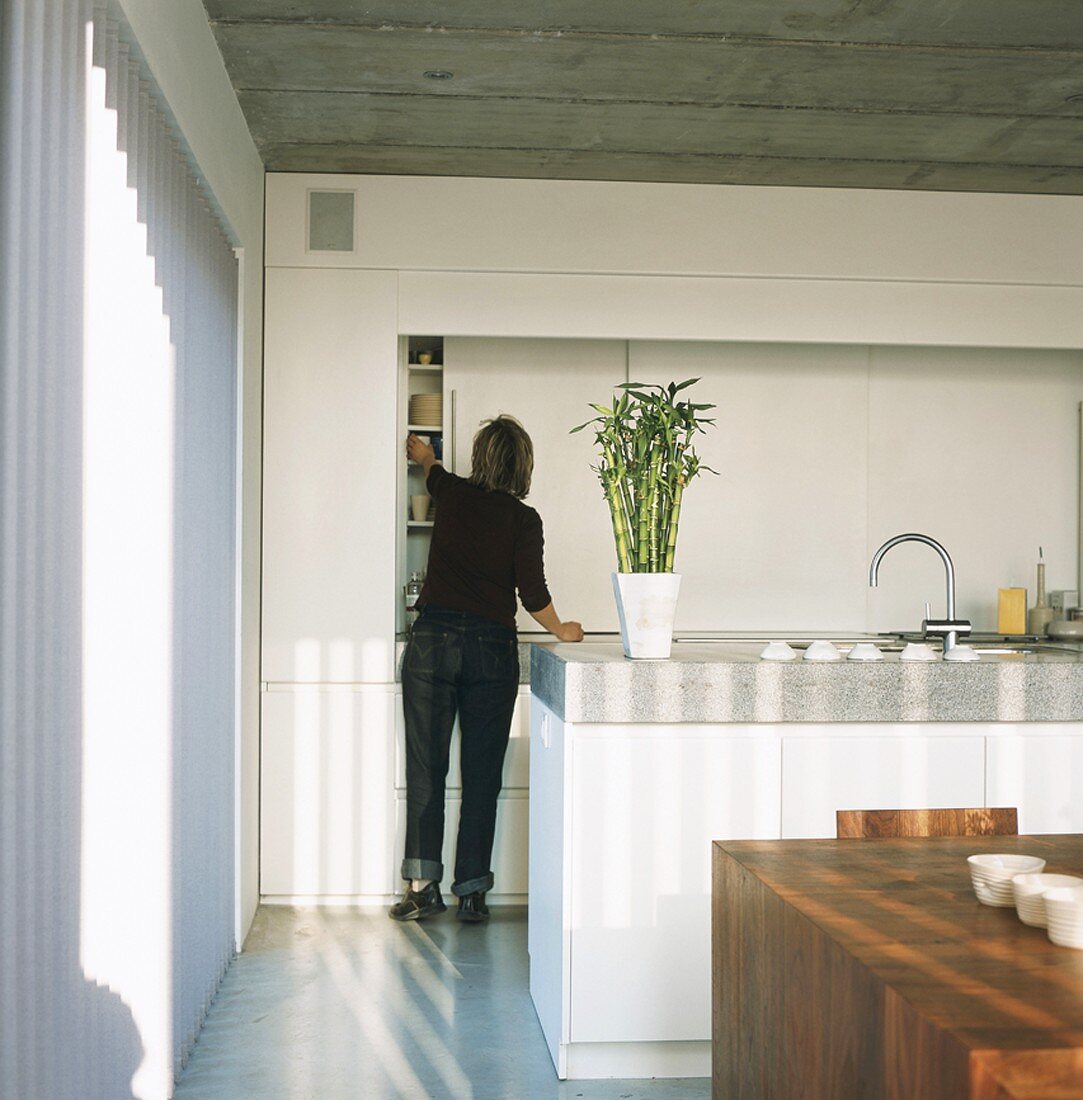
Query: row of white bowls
(823, 650)
(1053, 902)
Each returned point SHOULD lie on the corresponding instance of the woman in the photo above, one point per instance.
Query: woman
(463, 658)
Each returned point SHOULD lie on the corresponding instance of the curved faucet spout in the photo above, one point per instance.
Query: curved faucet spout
(950, 635)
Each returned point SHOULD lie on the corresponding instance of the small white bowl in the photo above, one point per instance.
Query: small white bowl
(991, 876)
(961, 653)
(1028, 890)
(778, 651)
(864, 651)
(1064, 914)
(918, 651)
(823, 651)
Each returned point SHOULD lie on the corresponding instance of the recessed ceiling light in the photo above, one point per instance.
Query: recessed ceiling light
(437, 74)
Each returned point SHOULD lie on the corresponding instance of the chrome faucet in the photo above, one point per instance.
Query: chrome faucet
(949, 628)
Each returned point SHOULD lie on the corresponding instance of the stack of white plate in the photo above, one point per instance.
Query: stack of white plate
(1029, 891)
(1064, 915)
(427, 409)
(992, 874)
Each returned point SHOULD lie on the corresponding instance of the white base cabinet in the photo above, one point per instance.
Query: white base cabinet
(1041, 773)
(621, 822)
(333, 797)
(896, 768)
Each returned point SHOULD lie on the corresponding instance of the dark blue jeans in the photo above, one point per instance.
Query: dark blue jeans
(456, 663)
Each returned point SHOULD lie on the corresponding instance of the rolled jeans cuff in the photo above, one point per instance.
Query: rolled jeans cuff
(422, 868)
(473, 886)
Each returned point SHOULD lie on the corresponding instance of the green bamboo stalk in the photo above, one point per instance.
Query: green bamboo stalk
(652, 526)
(643, 518)
(675, 516)
(613, 493)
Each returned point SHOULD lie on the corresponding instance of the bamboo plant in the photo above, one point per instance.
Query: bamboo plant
(646, 462)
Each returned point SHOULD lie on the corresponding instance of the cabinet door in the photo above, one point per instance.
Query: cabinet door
(331, 458)
(1040, 775)
(548, 386)
(327, 798)
(645, 811)
(902, 770)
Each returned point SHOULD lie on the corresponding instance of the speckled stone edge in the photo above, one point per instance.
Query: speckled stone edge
(743, 692)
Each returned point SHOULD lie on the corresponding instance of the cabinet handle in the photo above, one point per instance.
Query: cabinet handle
(453, 465)
(545, 731)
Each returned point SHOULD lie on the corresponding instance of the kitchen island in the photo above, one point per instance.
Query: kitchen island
(636, 767)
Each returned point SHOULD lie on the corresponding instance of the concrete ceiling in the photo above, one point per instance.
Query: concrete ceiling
(972, 95)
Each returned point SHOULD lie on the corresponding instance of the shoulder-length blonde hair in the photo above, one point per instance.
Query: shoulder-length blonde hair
(502, 459)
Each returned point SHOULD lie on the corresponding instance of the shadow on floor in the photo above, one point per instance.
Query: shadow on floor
(328, 1003)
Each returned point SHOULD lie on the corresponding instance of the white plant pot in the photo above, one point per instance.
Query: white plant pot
(647, 605)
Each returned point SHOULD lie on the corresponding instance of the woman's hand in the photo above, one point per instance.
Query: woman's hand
(565, 632)
(420, 452)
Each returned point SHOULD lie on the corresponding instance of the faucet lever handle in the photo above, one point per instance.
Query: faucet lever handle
(938, 627)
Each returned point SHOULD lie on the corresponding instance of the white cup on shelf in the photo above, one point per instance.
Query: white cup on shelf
(419, 506)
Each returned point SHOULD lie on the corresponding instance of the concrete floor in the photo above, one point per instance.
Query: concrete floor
(328, 1003)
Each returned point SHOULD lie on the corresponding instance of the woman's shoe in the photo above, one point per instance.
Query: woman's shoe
(418, 904)
(472, 908)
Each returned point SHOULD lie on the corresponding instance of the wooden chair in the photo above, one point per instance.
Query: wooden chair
(870, 824)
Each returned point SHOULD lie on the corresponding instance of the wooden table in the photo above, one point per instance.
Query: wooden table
(867, 968)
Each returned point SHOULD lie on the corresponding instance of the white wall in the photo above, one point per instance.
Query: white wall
(180, 50)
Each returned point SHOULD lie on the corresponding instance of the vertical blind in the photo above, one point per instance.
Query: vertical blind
(118, 319)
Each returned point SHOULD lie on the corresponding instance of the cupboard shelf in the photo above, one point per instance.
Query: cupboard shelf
(423, 368)
(424, 427)
(420, 522)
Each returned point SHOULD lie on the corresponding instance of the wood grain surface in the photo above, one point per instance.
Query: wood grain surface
(977, 821)
(867, 968)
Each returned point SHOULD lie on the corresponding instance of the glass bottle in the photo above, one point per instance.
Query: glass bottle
(412, 590)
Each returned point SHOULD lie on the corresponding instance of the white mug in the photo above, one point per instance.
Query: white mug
(419, 506)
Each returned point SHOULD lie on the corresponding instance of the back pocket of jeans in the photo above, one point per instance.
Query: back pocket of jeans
(424, 649)
(499, 656)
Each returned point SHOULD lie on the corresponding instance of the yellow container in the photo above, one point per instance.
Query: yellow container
(1011, 611)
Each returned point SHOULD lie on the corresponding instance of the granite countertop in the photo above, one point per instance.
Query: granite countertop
(725, 681)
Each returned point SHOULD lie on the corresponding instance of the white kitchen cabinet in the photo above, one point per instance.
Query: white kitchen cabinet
(548, 386)
(327, 797)
(641, 872)
(779, 537)
(877, 767)
(331, 462)
(1040, 774)
(622, 819)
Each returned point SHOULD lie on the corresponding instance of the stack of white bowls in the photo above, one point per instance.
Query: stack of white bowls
(427, 409)
(1030, 891)
(992, 875)
(1064, 915)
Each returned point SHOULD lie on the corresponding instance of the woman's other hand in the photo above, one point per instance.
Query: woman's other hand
(419, 451)
(562, 631)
